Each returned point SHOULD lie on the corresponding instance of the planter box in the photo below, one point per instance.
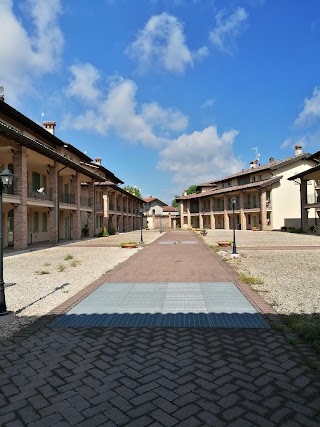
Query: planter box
(129, 246)
(224, 244)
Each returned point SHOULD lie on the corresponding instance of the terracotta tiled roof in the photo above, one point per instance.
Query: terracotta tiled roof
(169, 209)
(272, 166)
(258, 184)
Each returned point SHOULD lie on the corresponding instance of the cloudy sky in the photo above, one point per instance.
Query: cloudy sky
(168, 93)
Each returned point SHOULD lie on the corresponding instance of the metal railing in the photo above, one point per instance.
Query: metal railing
(252, 205)
(85, 201)
(67, 198)
(41, 193)
(111, 206)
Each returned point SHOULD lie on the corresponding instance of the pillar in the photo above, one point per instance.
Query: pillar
(263, 209)
(92, 215)
(20, 221)
(225, 214)
(303, 201)
(243, 218)
(76, 225)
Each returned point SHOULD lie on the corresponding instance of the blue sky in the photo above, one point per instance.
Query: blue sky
(168, 93)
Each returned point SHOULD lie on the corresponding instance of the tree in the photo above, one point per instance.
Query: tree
(133, 190)
(174, 203)
(192, 189)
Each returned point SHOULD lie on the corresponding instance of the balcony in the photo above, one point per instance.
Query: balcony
(41, 193)
(111, 206)
(67, 198)
(98, 206)
(8, 189)
(85, 201)
(252, 205)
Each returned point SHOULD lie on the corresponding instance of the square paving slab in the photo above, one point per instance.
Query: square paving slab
(198, 305)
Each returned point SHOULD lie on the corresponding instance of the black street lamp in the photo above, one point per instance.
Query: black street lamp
(141, 226)
(6, 179)
(160, 223)
(234, 246)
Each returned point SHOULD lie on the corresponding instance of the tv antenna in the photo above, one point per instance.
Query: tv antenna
(2, 92)
(256, 153)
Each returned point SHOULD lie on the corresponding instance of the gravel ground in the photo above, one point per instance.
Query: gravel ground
(291, 278)
(47, 277)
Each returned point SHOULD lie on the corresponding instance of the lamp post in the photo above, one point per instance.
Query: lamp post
(141, 226)
(234, 246)
(6, 179)
(160, 223)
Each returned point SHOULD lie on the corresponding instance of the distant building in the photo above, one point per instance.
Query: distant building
(264, 197)
(158, 215)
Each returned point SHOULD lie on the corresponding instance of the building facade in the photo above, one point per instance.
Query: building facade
(264, 198)
(57, 190)
(158, 215)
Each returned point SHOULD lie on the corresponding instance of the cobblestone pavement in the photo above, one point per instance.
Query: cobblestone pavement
(161, 376)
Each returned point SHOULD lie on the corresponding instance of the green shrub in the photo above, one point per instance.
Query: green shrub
(111, 229)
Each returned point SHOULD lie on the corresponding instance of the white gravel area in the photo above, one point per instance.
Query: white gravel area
(45, 278)
(291, 278)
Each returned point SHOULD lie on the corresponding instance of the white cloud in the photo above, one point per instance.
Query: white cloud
(26, 56)
(200, 156)
(162, 118)
(83, 82)
(311, 110)
(161, 45)
(228, 29)
(117, 110)
(208, 103)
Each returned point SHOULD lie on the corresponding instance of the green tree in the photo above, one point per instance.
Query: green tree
(192, 189)
(133, 190)
(174, 203)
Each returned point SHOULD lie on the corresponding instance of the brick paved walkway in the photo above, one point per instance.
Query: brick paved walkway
(161, 376)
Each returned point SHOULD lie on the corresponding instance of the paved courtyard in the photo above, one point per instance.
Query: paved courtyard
(158, 376)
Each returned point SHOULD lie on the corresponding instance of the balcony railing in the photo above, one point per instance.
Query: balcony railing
(67, 198)
(252, 205)
(86, 201)
(111, 206)
(39, 193)
(98, 206)
(8, 189)
(118, 208)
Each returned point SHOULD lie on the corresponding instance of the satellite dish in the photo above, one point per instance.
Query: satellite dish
(1, 90)
(41, 190)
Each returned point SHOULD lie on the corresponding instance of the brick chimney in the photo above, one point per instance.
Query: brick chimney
(298, 150)
(98, 160)
(254, 164)
(271, 160)
(50, 127)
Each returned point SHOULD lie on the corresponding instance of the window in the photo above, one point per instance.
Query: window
(38, 181)
(243, 180)
(35, 222)
(44, 221)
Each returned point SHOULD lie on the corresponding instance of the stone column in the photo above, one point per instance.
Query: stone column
(200, 213)
(92, 215)
(75, 189)
(303, 201)
(20, 221)
(263, 209)
(181, 214)
(225, 214)
(188, 214)
(243, 218)
(53, 212)
(212, 217)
